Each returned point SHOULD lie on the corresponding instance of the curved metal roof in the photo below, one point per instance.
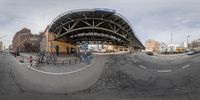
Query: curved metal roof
(107, 23)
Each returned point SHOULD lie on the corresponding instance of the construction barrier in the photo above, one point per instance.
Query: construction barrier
(31, 61)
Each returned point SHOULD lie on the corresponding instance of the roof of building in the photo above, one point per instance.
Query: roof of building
(24, 30)
(116, 29)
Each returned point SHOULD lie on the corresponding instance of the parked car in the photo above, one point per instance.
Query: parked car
(149, 53)
(191, 52)
(196, 51)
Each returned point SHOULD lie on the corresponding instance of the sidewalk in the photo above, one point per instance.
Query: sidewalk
(170, 55)
(112, 53)
(63, 64)
(59, 58)
(59, 68)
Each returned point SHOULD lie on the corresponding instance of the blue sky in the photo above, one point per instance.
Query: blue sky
(150, 19)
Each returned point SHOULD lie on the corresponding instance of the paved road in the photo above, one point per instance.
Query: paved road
(7, 83)
(152, 81)
(167, 77)
(165, 62)
(11, 90)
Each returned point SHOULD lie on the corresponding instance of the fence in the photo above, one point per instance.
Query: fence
(52, 59)
(46, 58)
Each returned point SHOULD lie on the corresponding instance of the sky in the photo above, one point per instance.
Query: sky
(150, 19)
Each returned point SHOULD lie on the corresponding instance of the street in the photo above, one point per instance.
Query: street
(8, 85)
(133, 77)
(99, 50)
(151, 77)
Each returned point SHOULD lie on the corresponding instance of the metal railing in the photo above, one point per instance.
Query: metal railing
(48, 58)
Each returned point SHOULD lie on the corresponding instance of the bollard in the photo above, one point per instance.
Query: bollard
(54, 62)
(31, 61)
(63, 62)
(70, 62)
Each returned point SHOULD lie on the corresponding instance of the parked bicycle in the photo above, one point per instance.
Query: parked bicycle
(40, 58)
(46, 58)
(50, 58)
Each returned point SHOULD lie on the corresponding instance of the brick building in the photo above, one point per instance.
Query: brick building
(24, 41)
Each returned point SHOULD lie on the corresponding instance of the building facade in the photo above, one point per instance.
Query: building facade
(152, 45)
(24, 41)
(48, 44)
(173, 47)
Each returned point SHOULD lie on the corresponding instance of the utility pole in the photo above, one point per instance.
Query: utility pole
(187, 41)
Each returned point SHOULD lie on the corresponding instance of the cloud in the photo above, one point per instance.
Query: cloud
(155, 19)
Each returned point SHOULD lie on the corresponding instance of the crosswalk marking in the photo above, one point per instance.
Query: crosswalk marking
(143, 67)
(163, 71)
(186, 66)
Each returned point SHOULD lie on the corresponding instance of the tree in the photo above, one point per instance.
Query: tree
(195, 44)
